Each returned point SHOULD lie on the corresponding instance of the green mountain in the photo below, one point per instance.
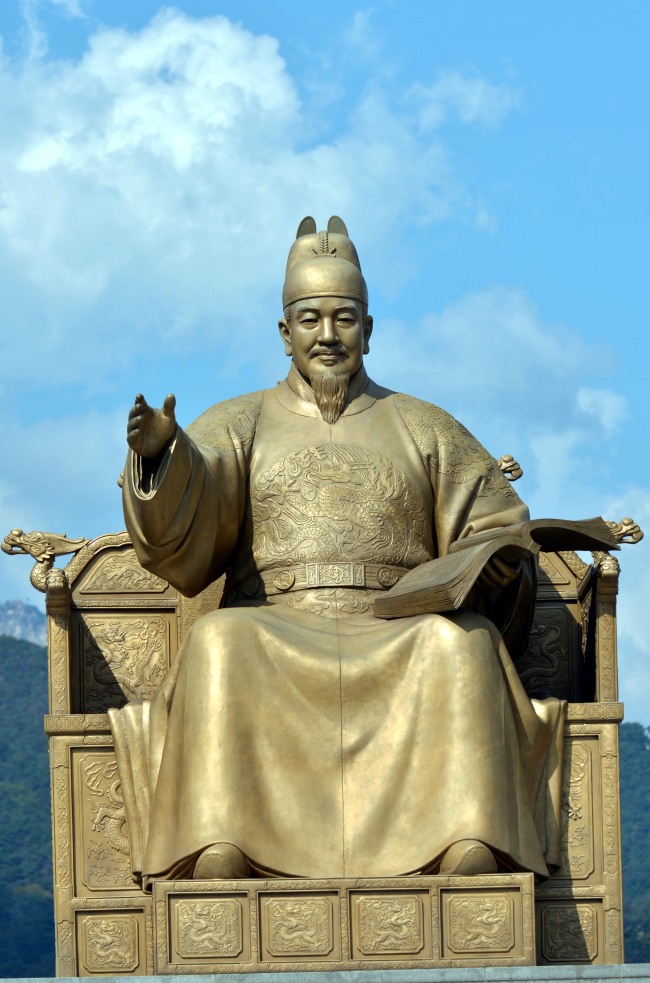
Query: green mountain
(635, 834)
(26, 910)
(26, 913)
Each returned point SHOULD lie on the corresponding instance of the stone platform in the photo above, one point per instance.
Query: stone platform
(632, 973)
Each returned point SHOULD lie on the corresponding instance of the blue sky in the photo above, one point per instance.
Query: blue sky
(490, 160)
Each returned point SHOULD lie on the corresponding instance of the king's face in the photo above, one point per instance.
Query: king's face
(326, 334)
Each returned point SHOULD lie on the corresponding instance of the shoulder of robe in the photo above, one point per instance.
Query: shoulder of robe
(228, 425)
(450, 448)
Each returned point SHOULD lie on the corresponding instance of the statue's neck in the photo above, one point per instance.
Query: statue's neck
(301, 388)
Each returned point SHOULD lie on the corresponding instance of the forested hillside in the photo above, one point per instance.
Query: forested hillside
(26, 917)
(26, 914)
(635, 819)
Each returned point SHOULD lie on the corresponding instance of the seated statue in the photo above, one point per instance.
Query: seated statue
(297, 734)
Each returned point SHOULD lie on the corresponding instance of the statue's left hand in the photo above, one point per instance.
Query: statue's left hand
(498, 573)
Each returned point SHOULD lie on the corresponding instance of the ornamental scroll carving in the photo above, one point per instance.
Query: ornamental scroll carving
(569, 933)
(390, 925)
(309, 503)
(121, 573)
(209, 928)
(607, 651)
(123, 658)
(106, 848)
(330, 602)
(457, 453)
(299, 927)
(111, 942)
(480, 924)
(550, 572)
(577, 836)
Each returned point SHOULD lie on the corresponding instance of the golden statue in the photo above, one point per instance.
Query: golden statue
(296, 734)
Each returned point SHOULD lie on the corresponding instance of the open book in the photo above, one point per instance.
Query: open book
(443, 584)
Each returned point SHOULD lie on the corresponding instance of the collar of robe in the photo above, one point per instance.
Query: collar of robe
(296, 395)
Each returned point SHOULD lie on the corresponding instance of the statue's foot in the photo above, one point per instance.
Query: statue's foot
(221, 861)
(465, 858)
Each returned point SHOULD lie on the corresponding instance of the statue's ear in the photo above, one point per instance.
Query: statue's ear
(337, 224)
(285, 334)
(307, 227)
(367, 331)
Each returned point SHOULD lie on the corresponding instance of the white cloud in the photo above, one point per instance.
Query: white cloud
(144, 189)
(362, 37)
(35, 35)
(485, 220)
(494, 346)
(72, 8)
(609, 408)
(466, 96)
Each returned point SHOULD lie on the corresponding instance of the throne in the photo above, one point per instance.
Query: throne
(114, 630)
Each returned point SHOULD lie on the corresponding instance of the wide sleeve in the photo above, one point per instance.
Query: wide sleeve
(184, 515)
(472, 495)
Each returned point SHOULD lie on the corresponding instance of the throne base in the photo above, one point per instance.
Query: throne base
(343, 924)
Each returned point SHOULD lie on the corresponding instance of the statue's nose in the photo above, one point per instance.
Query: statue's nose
(327, 330)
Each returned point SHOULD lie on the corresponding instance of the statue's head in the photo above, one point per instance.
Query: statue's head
(326, 326)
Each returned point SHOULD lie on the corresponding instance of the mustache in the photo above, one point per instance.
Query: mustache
(335, 349)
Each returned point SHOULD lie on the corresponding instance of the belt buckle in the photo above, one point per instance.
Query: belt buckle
(336, 574)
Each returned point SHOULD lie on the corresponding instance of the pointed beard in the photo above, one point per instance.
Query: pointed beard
(330, 392)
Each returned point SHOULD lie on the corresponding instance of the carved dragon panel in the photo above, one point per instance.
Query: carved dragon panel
(102, 838)
(121, 657)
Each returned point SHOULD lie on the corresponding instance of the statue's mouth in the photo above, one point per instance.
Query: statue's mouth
(330, 359)
(328, 355)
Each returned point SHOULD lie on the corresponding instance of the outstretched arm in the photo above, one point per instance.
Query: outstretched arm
(185, 499)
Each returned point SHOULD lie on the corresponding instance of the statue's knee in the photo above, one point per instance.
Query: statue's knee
(470, 636)
(216, 632)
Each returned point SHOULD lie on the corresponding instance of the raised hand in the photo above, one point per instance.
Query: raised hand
(149, 430)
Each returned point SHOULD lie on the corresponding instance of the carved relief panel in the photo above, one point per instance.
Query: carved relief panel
(570, 932)
(120, 656)
(213, 929)
(101, 847)
(553, 663)
(390, 925)
(479, 923)
(581, 826)
(117, 571)
(338, 924)
(111, 942)
(296, 928)
(484, 923)
(545, 667)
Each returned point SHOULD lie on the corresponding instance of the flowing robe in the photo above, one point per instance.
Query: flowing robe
(319, 739)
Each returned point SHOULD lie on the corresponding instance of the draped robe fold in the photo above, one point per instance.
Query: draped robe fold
(319, 739)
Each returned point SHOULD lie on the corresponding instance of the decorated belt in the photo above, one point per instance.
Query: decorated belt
(307, 575)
